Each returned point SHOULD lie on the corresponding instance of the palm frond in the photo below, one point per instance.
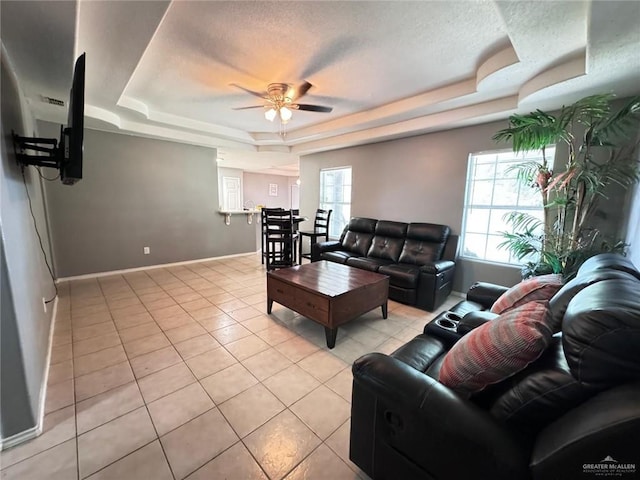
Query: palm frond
(523, 222)
(619, 126)
(532, 131)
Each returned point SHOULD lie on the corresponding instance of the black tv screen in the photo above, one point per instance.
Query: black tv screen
(73, 137)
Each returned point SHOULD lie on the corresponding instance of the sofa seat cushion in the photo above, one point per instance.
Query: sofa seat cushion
(421, 352)
(498, 349)
(339, 256)
(542, 287)
(401, 274)
(367, 263)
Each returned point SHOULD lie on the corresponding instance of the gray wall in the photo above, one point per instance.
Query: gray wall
(139, 192)
(418, 179)
(256, 189)
(24, 326)
(422, 179)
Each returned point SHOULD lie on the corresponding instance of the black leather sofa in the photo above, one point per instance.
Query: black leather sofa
(570, 414)
(417, 257)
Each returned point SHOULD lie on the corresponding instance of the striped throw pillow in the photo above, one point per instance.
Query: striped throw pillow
(542, 287)
(498, 349)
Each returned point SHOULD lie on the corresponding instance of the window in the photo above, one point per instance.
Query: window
(491, 192)
(335, 194)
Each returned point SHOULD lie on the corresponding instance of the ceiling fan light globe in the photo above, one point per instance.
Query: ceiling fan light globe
(270, 114)
(285, 114)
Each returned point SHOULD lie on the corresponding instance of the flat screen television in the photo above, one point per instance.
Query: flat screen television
(64, 154)
(73, 135)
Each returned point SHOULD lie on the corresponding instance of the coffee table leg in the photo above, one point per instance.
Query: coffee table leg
(384, 310)
(270, 305)
(331, 334)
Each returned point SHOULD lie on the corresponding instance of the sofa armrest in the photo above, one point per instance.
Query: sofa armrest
(427, 423)
(605, 425)
(485, 293)
(473, 320)
(437, 267)
(320, 247)
(435, 284)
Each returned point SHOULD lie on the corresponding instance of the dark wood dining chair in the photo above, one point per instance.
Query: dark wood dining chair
(320, 230)
(279, 238)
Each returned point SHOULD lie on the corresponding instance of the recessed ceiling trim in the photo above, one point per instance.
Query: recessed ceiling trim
(354, 122)
(274, 148)
(103, 115)
(134, 105)
(182, 122)
(414, 126)
(502, 59)
(560, 73)
(166, 133)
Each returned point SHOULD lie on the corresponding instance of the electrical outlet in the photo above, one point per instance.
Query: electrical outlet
(44, 304)
(146, 250)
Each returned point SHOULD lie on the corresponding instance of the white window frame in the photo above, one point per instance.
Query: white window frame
(337, 222)
(495, 207)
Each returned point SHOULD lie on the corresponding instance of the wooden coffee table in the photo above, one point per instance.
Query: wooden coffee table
(328, 293)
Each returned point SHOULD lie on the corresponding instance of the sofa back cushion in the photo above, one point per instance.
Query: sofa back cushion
(605, 266)
(601, 333)
(539, 394)
(359, 235)
(424, 243)
(388, 240)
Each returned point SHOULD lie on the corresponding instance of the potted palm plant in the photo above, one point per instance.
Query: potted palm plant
(601, 156)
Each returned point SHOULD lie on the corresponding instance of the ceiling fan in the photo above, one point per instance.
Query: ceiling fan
(281, 99)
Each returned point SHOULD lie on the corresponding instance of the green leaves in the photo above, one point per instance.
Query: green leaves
(606, 156)
(532, 131)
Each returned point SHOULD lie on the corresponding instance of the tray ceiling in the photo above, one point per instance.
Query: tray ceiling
(388, 69)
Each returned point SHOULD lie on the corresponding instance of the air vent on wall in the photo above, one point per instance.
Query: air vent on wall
(52, 101)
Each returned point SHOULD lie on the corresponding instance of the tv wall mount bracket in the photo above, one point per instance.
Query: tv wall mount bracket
(52, 150)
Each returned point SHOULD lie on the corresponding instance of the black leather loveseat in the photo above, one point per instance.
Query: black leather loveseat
(572, 413)
(417, 257)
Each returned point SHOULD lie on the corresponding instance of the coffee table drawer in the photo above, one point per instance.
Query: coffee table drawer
(309, 303)
(278, 291)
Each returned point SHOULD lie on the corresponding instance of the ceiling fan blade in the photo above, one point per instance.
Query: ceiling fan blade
(313, 108)
(251, 92)
(247, 108)
(295, 93)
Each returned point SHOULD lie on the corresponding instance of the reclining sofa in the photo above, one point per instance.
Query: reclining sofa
(574, 412)
(417, 257)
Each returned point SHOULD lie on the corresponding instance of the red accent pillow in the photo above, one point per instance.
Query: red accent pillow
(498, 349)
(542, 287)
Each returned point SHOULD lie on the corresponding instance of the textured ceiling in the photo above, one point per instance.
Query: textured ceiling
(388, 69)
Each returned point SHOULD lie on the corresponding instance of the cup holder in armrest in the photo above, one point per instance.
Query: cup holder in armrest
(445, 326)
(449, 321)
(448, 324)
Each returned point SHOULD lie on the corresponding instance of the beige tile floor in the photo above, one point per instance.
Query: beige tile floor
(178, 372)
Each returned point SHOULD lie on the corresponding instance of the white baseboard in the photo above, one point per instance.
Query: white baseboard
(148, 267)
(36, 430)
(21, 437)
